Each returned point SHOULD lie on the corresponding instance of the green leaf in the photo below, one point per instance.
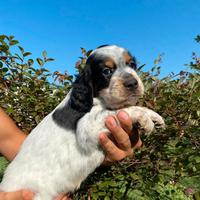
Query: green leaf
(9, 110)
(134, 176)
(49, 59)
(101, 193)
(28, 74)
(4, 48)
(13, 42)
(197, 159)
(26, 54)
(197, 196)
(21, 49)
(44, 70)
(30, 62)
(44, 54)
(2, 37)
(197, 38)
(5, 69)
(25, 67)
(19, 57)
(40, 61)
(11, 37)
(3, 165)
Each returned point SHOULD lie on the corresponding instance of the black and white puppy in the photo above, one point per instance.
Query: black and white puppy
(63, 149)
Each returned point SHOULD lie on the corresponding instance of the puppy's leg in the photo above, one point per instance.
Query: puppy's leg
(90, 126)
(155, 117)
(146, 118)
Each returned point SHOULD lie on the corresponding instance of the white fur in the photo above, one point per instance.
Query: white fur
(112, 51)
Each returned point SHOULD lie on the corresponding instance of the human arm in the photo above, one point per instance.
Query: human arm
(11, 138)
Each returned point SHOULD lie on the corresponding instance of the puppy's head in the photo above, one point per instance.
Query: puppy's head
(109, 75)
(113, 77)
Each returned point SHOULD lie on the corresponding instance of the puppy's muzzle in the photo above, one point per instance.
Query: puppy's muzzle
(130, 83)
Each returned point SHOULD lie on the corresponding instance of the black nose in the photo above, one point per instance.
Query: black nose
(131, 84)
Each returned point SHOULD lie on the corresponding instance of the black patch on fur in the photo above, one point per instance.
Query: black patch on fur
(105, 45)
(99, 79)
(86, 86)
(80, 102)
(133, 63)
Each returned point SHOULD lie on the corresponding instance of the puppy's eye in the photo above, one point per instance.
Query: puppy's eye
(132, 65)
(107, 71)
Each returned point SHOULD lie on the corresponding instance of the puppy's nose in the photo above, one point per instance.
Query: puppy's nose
(131, 84)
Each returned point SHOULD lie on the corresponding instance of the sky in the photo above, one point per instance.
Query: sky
(146, 28)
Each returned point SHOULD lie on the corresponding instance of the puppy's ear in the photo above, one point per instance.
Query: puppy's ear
(81, 98)
(80, 102)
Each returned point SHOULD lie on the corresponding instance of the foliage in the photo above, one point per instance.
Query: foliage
(25, 91)
(197, 38)
(167, 166)
(3, 164)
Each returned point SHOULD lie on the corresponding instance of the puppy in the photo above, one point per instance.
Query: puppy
(63, 149)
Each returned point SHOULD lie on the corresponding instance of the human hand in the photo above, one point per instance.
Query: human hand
(125, 138)
(63, 197)
(24, 195)
(17, 195)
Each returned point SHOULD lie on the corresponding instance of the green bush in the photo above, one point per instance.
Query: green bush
(168, 164)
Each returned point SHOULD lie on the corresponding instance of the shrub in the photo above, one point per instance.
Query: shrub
(168, 165)
(25, 90)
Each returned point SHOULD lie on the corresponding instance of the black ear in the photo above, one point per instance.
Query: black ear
(80, 102)
(81, 98)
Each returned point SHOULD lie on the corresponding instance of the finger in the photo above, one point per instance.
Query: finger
(125, 121)
(66, 198)
(18, 195)
(62, 197)
(2, 195)
(13, 196)
(113, 153)
(127, 125)
(119, 134)
(27, 194)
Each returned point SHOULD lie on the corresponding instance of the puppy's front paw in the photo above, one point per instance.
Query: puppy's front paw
(142, 122)
(146, 124)
(159, 123)
(156, 118)
(145, 119)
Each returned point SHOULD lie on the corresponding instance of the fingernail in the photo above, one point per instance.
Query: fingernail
(102, 137)
(123, 115)
(111, 122)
